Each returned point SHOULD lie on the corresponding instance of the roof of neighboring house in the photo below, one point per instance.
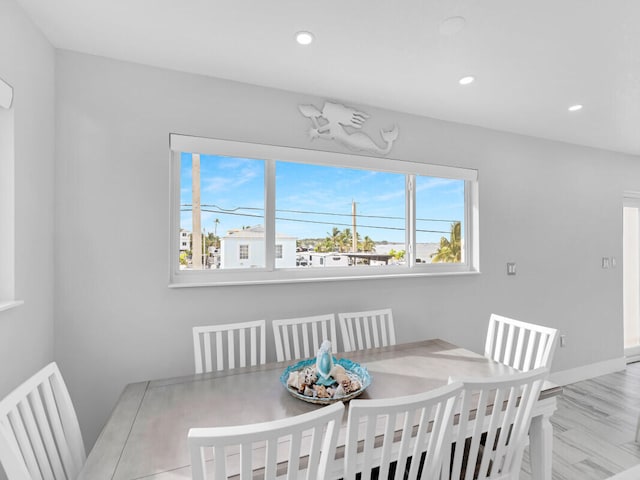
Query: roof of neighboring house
(253, 232)
(327, 254)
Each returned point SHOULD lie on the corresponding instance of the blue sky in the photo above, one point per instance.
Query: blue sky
(311, 199)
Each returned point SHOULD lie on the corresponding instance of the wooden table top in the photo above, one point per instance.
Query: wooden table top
(146, 435)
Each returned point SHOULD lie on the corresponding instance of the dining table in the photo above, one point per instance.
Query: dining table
(146, 434)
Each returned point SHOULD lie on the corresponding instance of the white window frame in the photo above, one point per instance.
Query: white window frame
(7, 200)
(270, 274)
(630, 200)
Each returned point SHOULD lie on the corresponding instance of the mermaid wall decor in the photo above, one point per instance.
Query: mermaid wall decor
(342, 124)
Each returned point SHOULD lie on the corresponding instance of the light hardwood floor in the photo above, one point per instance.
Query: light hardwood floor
(594, 427)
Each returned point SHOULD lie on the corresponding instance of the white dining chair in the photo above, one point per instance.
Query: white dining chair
(401, 438)
(301, 337)
(245, 346)
(303, 447)
(39, 432)
(488, 442)
(523, 346)
(632, 473)
(368, 329)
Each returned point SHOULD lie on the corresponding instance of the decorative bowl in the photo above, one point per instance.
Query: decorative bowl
(354, 370)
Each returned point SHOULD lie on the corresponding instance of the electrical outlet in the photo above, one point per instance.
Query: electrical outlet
(563, 341)
(606, 263)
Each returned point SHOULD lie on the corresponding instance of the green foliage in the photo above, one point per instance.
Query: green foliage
(368, 245)
(211, 240)
(342, 241)
(325, 246)
(397, 254)
(183, 258)
(450, 251)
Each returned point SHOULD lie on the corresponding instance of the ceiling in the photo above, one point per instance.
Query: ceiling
(532, 59)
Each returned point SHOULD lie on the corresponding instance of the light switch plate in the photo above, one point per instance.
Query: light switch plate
(511, 268)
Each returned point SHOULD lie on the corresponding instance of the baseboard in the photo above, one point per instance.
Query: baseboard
(573, 375)
(632, 354)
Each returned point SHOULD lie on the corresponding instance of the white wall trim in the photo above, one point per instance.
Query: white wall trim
(586, 372)
(7, 206)
(632, 354)
(232, 148)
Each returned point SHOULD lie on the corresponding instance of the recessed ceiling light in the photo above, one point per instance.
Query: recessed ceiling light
(467, 80)
(304, 38)
(575, 108)
(452, 25)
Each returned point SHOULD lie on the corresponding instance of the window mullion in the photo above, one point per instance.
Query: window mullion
(270, 213)
(174, 256)
(410, 220)
(471, 233)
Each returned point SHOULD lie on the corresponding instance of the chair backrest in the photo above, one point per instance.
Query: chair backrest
(39, 432)
(370, 329)
(310, 437)
(412, 432)
(493, 425)
(245, 346)
(523, 346)
(301, 337)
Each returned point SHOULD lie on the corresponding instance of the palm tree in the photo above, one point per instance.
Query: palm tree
(215, 233)
(345, 239)
(327, 245)
(334, 237)
(368, 245)
(450, 251)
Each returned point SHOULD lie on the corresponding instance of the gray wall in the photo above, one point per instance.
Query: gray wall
(26, 333)
(553, 208)
(27, 63)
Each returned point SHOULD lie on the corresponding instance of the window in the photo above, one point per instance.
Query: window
(273, 214)
(7, 202)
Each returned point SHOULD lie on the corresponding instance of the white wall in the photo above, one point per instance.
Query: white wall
(26, 332)
(27, 63)
(553, 208)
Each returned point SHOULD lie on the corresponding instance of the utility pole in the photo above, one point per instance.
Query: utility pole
(354, 242)
(196, 231)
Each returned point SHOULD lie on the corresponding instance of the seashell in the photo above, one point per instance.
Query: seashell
(308, 392)
(339, 392)
(293, 380)
(355, 386)
(337, 370)
(321, 391)
(310, 376)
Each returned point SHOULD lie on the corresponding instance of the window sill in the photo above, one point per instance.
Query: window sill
(6, 305)
(209, 282)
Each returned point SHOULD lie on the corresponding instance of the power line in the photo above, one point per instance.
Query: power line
(309, 212)
(315, 221)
